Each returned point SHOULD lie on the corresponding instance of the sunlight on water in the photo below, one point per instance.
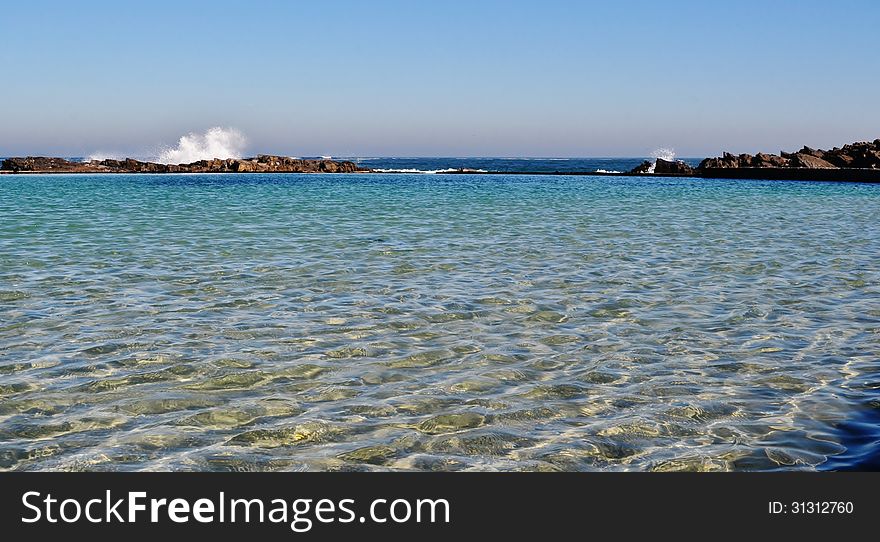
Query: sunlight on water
(295, 322)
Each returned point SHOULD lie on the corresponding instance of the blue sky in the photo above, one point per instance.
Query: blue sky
(474, 78)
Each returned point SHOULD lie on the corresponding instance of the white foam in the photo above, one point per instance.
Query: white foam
(100, 155)
(663, 154)
(216, 142)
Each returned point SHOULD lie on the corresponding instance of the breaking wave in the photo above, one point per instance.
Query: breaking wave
(663, 154)
(98, 156)
(216, 142)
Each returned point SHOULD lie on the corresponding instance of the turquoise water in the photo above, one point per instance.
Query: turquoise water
(296, 322)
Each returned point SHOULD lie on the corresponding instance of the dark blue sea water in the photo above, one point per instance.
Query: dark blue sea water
(542, 165)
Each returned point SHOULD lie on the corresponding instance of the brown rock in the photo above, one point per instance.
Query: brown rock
(244, 166)
(676, 167)
(839, 159)
(809, 161)
(726, 160)
(769, 160)
(860, 155)
(262, 163)
(42, 163)
(813, 152)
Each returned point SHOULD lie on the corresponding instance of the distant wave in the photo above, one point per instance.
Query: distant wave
(426, 171)
(608, 171)
(98, 156)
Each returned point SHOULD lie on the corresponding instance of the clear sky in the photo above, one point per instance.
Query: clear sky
(444, 78)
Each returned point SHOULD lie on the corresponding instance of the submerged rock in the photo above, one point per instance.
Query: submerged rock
(450, 423)
(374, 455)
(308, 432)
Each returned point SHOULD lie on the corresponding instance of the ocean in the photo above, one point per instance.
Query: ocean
(438, 322)
(508, 165)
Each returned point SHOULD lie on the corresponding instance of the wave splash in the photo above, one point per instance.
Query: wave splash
(663, 154)
(216, 142)
(100, 155)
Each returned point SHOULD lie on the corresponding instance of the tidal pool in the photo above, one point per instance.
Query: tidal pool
(437, 322)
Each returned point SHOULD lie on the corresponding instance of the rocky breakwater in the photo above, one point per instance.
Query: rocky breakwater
(263, 163)
(854, 162)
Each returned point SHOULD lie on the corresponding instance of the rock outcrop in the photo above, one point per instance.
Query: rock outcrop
(863, 155)
(808, 160)
(642, 169)
(728, 160)
(263, 163)
(672, 167)
(663, 167)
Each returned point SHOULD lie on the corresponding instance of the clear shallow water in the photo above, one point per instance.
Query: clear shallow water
(222, 322)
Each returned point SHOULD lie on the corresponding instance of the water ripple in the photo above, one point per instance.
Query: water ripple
(293, 322)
